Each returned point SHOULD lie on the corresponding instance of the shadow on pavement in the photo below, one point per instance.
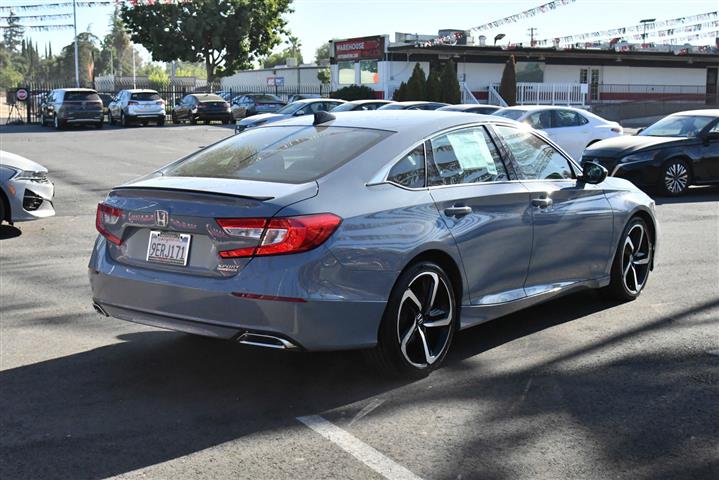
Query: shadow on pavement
(709, 193)
(156, 396)
(8, 231)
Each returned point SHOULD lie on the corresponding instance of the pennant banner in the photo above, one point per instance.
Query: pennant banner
(651, 29)
(32, 6)
(42, 18)
(532, 12)
(43, 28)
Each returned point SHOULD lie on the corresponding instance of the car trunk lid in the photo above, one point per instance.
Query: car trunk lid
(182, 212)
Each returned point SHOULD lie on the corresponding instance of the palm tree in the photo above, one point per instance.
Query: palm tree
(295, 46)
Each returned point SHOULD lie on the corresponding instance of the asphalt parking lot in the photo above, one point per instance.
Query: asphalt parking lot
(576, 388)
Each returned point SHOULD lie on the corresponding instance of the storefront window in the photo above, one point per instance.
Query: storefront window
(368, 72)
(346, 73)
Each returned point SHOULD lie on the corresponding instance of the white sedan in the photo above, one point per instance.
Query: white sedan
(25, 191)
(572, 129)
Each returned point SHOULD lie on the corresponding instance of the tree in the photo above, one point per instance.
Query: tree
(295, 46)
(226, 35)
(322, 54)
(417, 84)
(324, 75)
(434, 85)
(450, 84)
(354, 92)
(508, 86)
(116, 54)
(280, 58)
(400, 95)
(13, 32)
(87, 52)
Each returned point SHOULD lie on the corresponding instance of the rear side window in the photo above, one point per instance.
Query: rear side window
(145, 96)
(292, 154)
(81, 97)
(540, 120)
(536, 159)
(465, 156)
(410, 170)
(568, 118)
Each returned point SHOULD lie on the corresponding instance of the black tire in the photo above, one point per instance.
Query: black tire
(676, 178)
(207, 122)
(225, 121)
(193, 121)
(404, 331)
(99, 124)
(173, 117)
(636, 246)
(59, 124)
(2, 208)
(43, 123)
(161, 123)
(123, 120)
(110, 120)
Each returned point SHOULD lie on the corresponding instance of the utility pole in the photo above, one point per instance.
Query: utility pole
(134, 79)
(532, 31)
(77, 63)
(644, 23)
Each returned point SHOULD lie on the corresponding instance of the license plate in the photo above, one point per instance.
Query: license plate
(168, 248)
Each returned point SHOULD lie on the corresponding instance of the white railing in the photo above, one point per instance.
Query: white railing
(495, 98)
(551, 93)
(467, 95)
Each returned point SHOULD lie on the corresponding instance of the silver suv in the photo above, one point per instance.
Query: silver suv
(137, 106)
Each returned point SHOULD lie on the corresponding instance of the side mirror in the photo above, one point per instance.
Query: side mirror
(640, 130)
(593, 173)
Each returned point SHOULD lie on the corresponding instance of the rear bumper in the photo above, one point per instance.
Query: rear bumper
(321, 320)
(214, 116)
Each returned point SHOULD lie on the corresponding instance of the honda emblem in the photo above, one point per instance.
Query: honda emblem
(161, 218)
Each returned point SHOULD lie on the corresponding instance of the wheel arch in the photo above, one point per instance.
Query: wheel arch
(6, 204)
(680, 156)
(448, 264)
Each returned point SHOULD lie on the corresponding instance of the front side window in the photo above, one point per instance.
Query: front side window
(536, 159)
(410, 170)
(346, 73)
(368, 72)
(290, 154)
(465, 156)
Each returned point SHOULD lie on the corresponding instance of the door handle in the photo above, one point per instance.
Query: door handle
(542, 202)
(457, 211)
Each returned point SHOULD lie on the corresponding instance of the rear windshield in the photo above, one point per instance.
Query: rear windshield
(511, 114)
(211, 99)
(81, 97)
(145, 96)
(266, 98)
(289, 154)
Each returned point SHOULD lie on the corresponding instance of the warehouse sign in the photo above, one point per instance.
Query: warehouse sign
(366, 48)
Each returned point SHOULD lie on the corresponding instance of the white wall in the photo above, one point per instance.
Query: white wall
(308, 76)
(653, 76)
(562, 73)
(479, 76)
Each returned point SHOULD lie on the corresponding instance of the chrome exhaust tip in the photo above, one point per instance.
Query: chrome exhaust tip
(100, 310)
(267, 341)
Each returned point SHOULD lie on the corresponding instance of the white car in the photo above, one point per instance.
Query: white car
(25, 191)
(136, 106)
(572, 129)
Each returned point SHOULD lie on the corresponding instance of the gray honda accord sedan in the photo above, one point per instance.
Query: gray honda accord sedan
(387, 231)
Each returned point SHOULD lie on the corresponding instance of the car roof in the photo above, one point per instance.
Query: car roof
(419, 122)
(415, 102)
(467, 106)
(711, 112)
(314, 100)
(77, 90)
(140, 90)
(373, 100)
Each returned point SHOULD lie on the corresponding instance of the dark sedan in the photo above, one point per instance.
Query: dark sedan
(413, 105)
(255, 103)
(203, 107)
(676, 152)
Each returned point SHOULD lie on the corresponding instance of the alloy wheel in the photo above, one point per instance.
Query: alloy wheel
(636, 259)
(424, 319)
(676, 178)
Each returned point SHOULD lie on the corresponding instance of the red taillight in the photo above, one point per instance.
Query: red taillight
(278, 236)
(617, 129)
(133, 103)
(160, 102)
(107, 215)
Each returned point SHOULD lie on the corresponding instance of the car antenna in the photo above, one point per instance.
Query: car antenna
(322, 117)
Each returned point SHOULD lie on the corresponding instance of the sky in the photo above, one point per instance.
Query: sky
(316, 21)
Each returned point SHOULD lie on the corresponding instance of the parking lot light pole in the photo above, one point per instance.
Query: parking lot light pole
(74, 23)
(644, 23)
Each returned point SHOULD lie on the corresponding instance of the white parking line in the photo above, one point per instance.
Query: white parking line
(386, 467)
